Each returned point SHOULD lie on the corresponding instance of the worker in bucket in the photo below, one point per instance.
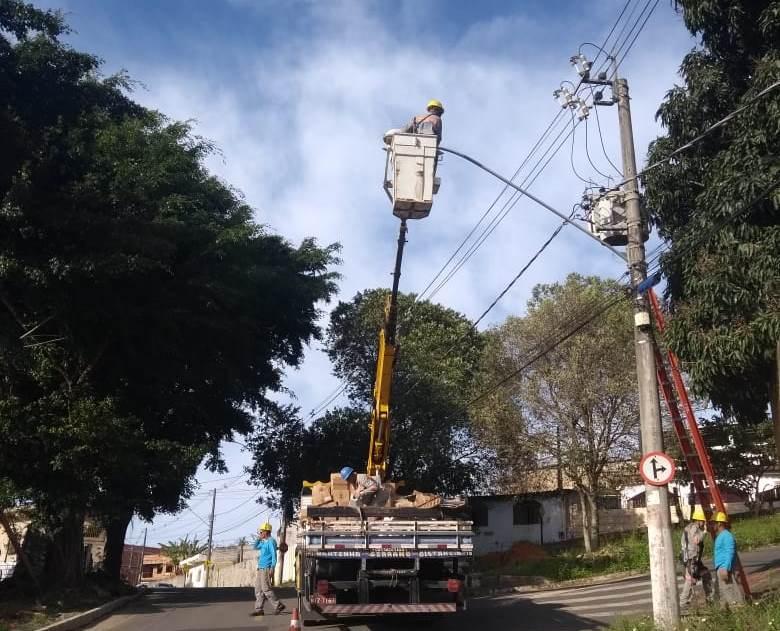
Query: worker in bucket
(264, 580)
(690, 553)
(724, 558)
(428, 123)
(362, 493)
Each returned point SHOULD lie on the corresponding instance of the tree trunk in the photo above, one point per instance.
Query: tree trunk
(774, 398)
(21, 553)
(116, 529)
(678, 506)
(594, 521)
(585, 506)
(65, 556)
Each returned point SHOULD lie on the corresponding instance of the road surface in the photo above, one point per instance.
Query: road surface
(572, 609)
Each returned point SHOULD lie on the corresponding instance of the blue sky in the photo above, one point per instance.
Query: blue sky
(297, 94)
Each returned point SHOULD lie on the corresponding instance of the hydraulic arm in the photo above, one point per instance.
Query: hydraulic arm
(378, 450)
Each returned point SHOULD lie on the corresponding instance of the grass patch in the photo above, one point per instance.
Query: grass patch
(621, 554)
(763, 615)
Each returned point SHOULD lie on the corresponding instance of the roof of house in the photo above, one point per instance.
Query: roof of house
(154, 559)
(516, 496)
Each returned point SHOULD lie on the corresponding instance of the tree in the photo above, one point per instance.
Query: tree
(182, 549)
(143, 312)
(717, 204)
(241, 543)
(741, 454)
(432, 445)
(577, 406)
(286, 451)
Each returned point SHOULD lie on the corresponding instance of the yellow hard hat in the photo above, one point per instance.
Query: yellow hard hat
(721, 518)
(266, 526)
(435, 103)
(698, 514)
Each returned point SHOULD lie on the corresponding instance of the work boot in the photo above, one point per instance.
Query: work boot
(257, 612)
(279, 608)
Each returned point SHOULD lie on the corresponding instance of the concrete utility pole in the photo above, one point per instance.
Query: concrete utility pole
(211, 535)
(143, 552)
(666, 607)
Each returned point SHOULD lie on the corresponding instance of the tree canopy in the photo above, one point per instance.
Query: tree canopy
(432, 443)
(576, 408)
(718, 206)
(143, 312)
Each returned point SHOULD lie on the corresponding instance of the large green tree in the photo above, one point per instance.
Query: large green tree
(432, 445)
(144, 313)
(717, 204)
(576, 408)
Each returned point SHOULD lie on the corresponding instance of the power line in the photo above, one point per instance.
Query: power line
(515, 196)
(244, 503)
(601, 137)
(571, 153)
(587, 153)
(241, 523)
(583, 319)
(508, 206)
(641, 28)
(513, 199)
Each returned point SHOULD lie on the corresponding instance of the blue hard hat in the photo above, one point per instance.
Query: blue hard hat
(346, 472)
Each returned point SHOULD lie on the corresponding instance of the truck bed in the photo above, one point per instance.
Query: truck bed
(383, 537)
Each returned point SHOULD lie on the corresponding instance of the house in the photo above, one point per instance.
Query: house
(157, 567)
(194, 569)
(132, 561)
(544, 507)
(93, 552)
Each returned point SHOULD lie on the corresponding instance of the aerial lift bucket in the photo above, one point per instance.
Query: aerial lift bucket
(410, 174)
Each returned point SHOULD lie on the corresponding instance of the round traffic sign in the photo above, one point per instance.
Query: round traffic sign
(657, 468)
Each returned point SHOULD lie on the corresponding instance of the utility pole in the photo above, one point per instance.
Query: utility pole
(143, 552)
(211, 535)
(663, 578)
(666, 608)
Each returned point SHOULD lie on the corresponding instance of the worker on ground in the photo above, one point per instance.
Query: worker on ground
(363, 492)
(428, 123)
(691, 551)
(724, 558)
(266, 563)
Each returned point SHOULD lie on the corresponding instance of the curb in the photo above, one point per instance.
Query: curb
(81, 620)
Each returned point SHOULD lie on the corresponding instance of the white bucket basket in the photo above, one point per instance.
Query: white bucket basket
(410, 169)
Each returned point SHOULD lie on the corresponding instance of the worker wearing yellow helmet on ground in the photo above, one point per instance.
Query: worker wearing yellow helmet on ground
(724, 556)
(690, 553)
(266, 563)
(428, 123)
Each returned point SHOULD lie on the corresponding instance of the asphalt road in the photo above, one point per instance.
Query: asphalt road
(572, 609)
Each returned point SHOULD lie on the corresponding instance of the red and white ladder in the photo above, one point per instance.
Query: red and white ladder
(692, 444)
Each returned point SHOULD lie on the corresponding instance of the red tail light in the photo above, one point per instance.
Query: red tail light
(453, 585)
(323, 587)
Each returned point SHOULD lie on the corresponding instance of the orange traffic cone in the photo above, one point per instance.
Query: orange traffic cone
(295, 621)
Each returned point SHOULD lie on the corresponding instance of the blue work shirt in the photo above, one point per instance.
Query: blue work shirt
(725, 550)
(267, 557)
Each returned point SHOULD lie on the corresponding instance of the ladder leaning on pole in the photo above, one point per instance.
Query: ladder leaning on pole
(691, 442)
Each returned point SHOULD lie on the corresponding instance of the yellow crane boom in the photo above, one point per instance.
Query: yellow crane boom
(379, 445)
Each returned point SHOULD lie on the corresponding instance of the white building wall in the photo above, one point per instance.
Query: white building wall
(501, 533)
